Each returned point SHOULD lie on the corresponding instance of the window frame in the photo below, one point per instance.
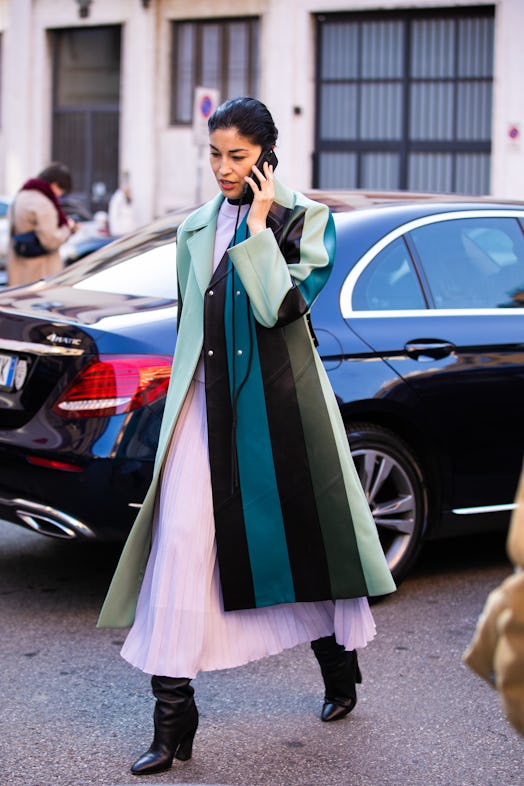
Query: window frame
(252, 24)
(398, 153)
(404, 229)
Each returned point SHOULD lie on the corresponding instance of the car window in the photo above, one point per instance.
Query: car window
(389, 282)
(473, 262)
(151, 273)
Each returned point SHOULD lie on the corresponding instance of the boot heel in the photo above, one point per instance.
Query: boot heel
(185, 748)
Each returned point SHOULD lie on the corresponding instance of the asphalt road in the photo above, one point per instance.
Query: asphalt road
(73, 713)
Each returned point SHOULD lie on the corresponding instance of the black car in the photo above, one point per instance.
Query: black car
(420, 327)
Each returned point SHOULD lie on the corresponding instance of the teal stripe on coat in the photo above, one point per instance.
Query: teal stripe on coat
(313, 284)
(265, 533)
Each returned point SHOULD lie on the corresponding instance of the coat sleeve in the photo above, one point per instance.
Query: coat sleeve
(283, 280)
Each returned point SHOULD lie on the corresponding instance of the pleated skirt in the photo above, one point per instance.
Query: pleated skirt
(180, 626)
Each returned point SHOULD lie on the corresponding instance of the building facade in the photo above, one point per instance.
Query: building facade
(420, 94)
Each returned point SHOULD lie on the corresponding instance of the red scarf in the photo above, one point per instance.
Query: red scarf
(36, 184)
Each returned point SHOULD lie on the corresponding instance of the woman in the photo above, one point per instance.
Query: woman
(36, 209)
(255, 520)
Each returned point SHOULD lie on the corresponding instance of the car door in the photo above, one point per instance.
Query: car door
(442, 303)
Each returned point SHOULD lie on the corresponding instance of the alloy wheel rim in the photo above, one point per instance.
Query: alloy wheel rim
(391, 497)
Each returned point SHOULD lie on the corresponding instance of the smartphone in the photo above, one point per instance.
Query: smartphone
(269, 156)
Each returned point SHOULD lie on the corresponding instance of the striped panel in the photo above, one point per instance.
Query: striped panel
(232, 548)
(345, 568)
(304, 537)
(312, 285)
(292, 306)
(265, 533)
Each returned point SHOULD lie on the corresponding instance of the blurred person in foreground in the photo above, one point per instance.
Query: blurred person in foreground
(255, 534)
(39, 226)
(496, 652)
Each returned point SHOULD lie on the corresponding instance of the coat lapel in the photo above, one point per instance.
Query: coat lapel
(202, 227)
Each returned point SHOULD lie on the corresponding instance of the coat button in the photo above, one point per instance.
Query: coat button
(210, 353)
(211, 293)
(238, 293)
(239, 351)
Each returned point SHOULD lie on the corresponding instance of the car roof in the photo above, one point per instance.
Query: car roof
(343, 201)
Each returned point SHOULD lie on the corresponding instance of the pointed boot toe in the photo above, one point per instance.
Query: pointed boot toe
(156, 759)
(336, 709)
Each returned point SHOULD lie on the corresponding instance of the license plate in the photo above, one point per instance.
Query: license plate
(7, 370)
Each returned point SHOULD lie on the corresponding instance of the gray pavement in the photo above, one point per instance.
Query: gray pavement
(75, 714)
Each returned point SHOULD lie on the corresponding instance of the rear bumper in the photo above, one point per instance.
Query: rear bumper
(100, 502)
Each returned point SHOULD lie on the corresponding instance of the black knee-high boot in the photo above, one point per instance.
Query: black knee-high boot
(176, 720)
(340, 672)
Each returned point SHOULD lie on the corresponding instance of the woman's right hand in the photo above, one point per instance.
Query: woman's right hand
(263, 197)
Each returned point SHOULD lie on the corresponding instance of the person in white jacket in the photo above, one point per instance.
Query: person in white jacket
(121, 211)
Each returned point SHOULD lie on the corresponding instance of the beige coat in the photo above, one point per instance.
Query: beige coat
(32, 210)
(496, 652)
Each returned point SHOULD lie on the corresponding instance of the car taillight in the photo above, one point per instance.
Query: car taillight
(115, 384)
(66, 466)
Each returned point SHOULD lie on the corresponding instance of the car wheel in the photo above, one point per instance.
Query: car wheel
(392, 480)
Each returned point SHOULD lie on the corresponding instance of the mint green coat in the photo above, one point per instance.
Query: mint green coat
(297, 526)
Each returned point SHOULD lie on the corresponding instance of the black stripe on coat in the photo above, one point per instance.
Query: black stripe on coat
(297, 499)
(234, 565)
(293, 305)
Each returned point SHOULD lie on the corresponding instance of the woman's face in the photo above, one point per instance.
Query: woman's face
(232, 156)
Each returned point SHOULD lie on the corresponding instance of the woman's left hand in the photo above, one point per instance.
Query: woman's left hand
(263, 197)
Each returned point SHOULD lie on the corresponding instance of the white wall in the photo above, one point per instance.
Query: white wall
(162, 160)
(138, 148)
(176, 176)
(507, 170)
(25, 142)
(18, 113)
(287, 83)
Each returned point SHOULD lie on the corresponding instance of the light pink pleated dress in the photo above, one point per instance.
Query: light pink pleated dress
(180, 626)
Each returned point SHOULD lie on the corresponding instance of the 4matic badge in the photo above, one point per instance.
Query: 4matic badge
(67, 341)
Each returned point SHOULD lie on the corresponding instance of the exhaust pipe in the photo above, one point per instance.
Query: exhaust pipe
(46, 526)
(47, 520)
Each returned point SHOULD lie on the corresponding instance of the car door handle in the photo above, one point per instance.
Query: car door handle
(429, 347)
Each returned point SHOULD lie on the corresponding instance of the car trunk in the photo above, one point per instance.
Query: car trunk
(37, 355)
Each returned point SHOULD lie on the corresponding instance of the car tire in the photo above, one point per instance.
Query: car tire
(393, 481)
